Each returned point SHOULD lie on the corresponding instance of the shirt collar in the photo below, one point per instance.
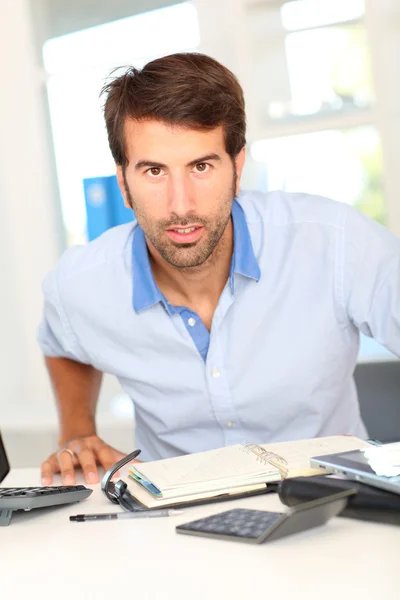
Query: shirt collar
(145, 290)
(244, 261)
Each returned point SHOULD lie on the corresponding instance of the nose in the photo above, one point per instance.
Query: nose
(180, 194)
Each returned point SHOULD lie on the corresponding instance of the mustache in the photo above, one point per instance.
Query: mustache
(182, 221)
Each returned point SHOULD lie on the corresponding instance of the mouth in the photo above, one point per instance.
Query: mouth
(185, 235)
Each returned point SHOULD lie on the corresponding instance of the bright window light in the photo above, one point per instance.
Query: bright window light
(329, 68)
(343, 165)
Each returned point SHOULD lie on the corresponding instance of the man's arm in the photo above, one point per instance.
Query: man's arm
(76, 387)
(75, 381)
(372, 280)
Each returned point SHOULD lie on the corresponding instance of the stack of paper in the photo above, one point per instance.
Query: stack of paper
(224, 468)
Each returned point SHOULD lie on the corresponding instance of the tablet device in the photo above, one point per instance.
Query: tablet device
(356, 467)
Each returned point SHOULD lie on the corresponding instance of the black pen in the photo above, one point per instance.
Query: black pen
(140, 514)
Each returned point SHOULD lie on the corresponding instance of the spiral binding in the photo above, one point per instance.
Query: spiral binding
(267, 458)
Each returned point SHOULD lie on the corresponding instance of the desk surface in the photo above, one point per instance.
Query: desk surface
(43, 552)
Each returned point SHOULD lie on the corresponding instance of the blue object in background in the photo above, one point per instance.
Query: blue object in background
(104, 205)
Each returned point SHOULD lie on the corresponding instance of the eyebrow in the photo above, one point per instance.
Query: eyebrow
(157, 165)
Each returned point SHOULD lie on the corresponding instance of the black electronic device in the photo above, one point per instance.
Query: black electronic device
(369, 504)
(27, 498)
(4, 464)
(257, 526)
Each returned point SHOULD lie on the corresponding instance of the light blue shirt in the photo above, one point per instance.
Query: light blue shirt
(307, 274)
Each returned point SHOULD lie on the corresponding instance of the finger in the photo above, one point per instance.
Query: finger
(98, 445)
(107, 456)
(117, 454)
(48, 467)
(88, 463)
(66, 464)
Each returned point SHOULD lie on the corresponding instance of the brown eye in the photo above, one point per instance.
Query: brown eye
(155, 171)
(201, 167)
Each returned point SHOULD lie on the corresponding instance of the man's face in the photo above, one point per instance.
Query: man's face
(180, 183)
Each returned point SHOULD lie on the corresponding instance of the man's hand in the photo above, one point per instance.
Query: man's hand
(85, 453)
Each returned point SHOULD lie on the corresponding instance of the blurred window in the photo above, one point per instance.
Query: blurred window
(77, 66)
(342, 164)
(327, 58)
(322, 138)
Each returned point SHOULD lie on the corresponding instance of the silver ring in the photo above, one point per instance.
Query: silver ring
(65, 450)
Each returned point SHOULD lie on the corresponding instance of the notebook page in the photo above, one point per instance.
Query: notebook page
(145, 498)
(224, 464)
(218, 484)
(298, 453)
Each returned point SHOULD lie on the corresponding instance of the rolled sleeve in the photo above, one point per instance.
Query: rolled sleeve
(54, 336)
(372, 279)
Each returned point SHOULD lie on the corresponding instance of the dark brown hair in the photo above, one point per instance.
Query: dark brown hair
(187, 89)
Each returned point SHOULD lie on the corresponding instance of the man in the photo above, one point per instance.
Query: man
(226, 316)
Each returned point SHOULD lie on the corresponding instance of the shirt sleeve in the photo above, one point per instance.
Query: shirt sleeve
(372, 279)
(55, 336)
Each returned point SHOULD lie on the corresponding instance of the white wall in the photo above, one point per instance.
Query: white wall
(30, 240)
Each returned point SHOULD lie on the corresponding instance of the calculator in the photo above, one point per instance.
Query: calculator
(27, 498)
(257, 526)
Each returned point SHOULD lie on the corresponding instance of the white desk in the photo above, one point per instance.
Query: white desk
(43, 554)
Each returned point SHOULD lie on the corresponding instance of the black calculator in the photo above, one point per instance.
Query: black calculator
(257, 526)
(27, 498)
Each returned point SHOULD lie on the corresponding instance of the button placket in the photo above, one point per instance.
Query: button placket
(220, 393)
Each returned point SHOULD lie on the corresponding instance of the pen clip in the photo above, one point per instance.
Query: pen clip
(114, 491)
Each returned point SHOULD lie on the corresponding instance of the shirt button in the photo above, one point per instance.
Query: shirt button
(229, 423)
(215, 373)
(191, 322)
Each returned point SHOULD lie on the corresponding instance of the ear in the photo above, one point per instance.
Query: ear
(239, 162)
(121, 184)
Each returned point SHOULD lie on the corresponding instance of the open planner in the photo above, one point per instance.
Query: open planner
(230, 472)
